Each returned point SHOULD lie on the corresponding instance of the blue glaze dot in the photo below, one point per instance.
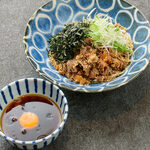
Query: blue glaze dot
(140, 17)
(124, 19)
(141, 35)
(39, 41)
(49, 6)
(36, 54)
(138, 54)
(51, 74)
(105, 4)
(116, 82)
(138, 66)
(44, 24)
(64, 13)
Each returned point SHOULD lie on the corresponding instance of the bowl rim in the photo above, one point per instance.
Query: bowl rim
(57, 130)
(65, 86)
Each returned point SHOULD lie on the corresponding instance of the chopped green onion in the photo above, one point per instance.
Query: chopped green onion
(121, 47)
(102, 30)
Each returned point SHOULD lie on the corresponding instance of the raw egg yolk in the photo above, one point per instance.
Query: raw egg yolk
(29, 120)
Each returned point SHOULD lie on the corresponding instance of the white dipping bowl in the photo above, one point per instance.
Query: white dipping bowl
(34, 86)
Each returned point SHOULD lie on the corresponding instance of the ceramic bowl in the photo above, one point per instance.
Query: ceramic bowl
(49, 19)
(34, 86)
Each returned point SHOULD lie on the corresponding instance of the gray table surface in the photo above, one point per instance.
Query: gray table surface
(114, 120)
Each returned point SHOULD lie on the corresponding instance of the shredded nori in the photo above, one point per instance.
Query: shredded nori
(63, 45)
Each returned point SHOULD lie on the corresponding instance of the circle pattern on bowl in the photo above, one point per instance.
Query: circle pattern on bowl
(50, 19)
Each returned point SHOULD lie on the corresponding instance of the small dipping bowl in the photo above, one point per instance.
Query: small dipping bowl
(34, 86)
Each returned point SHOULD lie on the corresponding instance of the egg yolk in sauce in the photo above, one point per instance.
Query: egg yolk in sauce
(29, 120)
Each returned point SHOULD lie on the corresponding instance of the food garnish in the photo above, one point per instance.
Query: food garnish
(101, 30)
(65, 43)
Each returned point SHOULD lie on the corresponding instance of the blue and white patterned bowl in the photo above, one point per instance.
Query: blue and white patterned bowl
(50, 19)
(35, 86)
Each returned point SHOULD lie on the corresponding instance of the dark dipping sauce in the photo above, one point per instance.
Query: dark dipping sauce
(46, 111)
